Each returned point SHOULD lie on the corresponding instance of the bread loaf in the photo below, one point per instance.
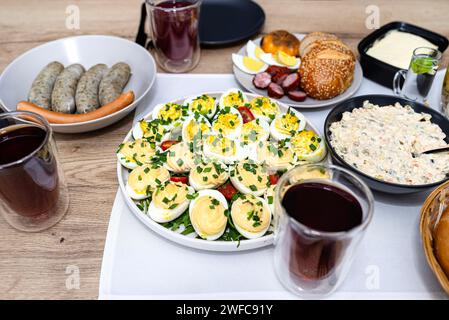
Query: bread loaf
(327, 67)
(441, 241)
(280, 40)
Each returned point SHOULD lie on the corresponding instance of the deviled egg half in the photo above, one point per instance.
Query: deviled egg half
(207, 214)
(153, 131)
(251, 216)
(208, 175)
(180, 158)
(286, 125)
(204, 104)
(195, 127)
(308, 146)
(135, 153)
(253, 132)
(228, 122)
(274, 155)
(264, 108)
(169, 201)
(170, 114)
(249, 177)
(217, 147)
(232, 98)
(144, 179)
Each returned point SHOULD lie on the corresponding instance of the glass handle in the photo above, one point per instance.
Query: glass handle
(397, 81)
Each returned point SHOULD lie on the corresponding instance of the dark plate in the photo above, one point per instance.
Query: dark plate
(382, 100)
(226, 22)
(381, 72)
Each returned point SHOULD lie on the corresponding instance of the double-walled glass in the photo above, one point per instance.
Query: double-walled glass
(174, 32)
(313, 263)
(33, 191)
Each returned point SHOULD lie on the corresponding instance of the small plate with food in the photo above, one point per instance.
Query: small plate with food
(81, 83)
(202, 170)
(386, 139)
(306, 71)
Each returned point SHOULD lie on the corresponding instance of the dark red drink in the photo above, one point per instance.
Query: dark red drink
(174, 26)
(29, 187)
(324, 208)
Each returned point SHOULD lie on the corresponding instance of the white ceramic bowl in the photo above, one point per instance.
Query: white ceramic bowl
(16, 79)
(189, 241)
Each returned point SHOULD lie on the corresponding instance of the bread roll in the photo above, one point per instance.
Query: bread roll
(441, 241)
(312, 37)
(280, 40)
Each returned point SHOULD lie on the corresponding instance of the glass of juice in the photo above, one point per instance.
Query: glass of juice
(174, 32)
(33, 192)
(322, 213)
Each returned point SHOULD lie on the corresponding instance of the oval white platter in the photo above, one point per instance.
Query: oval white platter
(246, 80)
(189, 240)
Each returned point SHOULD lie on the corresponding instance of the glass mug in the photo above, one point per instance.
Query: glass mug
(315, 244)
(33, 191)
(418, 79)
(174, 33)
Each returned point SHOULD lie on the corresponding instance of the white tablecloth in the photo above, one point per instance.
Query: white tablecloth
(139, 264)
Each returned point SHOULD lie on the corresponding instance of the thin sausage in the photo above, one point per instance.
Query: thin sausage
(86, 96)
(63, 95)
(112, 84)
(297, 95)
(121, 102)
(42, 87)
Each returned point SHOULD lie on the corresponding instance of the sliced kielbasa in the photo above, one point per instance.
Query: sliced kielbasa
(262, 80)
(275, 91)
(297, 95)
(291, 82)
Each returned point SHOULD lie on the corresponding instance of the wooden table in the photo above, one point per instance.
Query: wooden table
(35, 265)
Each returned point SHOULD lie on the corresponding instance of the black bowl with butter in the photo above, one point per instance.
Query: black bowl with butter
(335, 115)
(382, 72)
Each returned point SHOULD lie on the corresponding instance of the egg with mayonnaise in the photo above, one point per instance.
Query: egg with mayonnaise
(228, 122)
(135, 153)
(153, 131)
(308, 146)
(249, 65)
(194, 128)
(207, 214)
(179, 157)
(208, 175)
(169, 201)
(265, 108)
(204, 104)
(254, 131)
(249, 177)
(170, 114)
(217, 147)
(286, 125)
(232, 98)
(275, 155)
(144, 179)
(251, 216)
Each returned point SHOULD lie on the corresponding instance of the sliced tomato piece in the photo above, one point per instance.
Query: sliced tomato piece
(184, 180)
(247, 115)
(274, 178)
(228, 190)
(167, 144)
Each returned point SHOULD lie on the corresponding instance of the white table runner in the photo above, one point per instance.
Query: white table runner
(139, 264)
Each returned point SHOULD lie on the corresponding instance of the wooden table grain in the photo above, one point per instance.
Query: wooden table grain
(42, 265)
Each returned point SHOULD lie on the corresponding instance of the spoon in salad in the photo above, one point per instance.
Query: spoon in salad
(437, 150)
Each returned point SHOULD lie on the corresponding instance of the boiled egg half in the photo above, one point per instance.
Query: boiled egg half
(179, 157)
(248, 65)
(286, 125)
(217, 147)
(131, 154)
(204, 104)
(308, 146)
(208, 175)
(232, 98)
(265, 108)
(144, 179)
(249, 177)
(228, 122)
